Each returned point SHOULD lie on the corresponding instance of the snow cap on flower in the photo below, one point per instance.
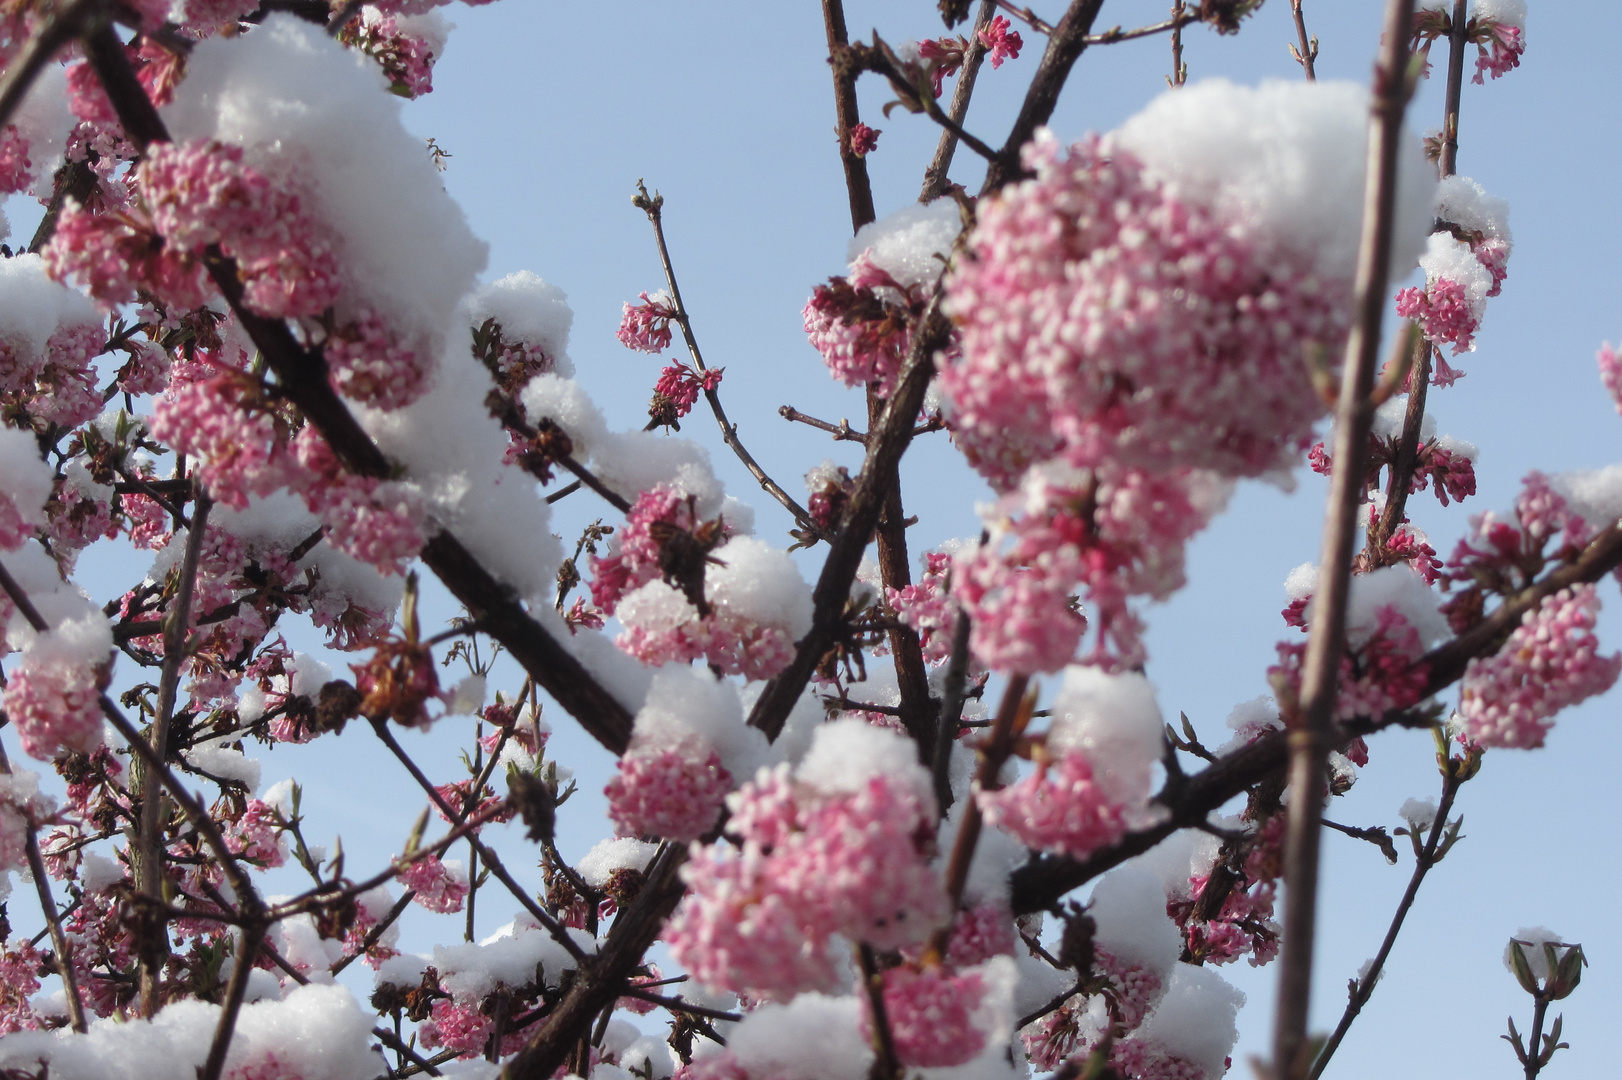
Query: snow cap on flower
(813, 1037)
(597, 866)
(1129, 906)
(1114, 720)
(530, 312)
(846, 754)
(911, 245)
(690, 710)
(1195, 1021)
(1285, 161)
(551, 396)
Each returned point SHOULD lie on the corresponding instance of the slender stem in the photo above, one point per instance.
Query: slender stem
(399, 1046)
(1311, 727)
(1065, 46)
(149, 851)
(936, 177)
(1448, 164)
(951, 714)
(553, 927)
(1534, 1052)
(857, 185)
(377, 931)
(1407, 459)
(53, 919)
(1422, 866)
(654, 208)
(677, 1005)
(1179, 70)
(1012, 716)
(1307, 52)
(1029, 17)
(41, 49)
(842, 431)
(235, 991)
(886, 1066)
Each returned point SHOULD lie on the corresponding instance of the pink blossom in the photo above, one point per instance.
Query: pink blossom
(979, 933)
(862, 325)
(1103, 316)
(55, 704)
(928, 608)
(16, 168)
(1610, 373)
(930, 1013)
(439, 887)
(1376, 677)
(645, 326)
(20, 965)
(681, 385)
(22, 808)
(1499, 47)
(1060, 808)
(667, 793)
(864, 140)
(241, 443)
(256, 835)
(1443, 311)
(1003, 43)
(1551, 661)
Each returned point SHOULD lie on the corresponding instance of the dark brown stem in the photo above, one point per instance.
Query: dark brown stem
(857, 185)
(1311, 727)
(1027, 16)
(654, 207)
(74, 180)
(596, 987)
(886, 1066)
(149, 847)
(936, 177)
(377, 931)
(1534, 1054)
(302, 378)
(53, 919)
(1448, 163)
(393, 1042)
(235, 991)
(951, 712)
(677, 1005)
(1306, 54)
(1012, 715)
(40, 50)
(1427, 858)
(886, 444)
(565, 491)
(842, 431)
(1065, 46)
(1407, 459)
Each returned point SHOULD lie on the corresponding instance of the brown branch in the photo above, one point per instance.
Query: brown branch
(1448, 164)
(842, 431)
(951, 711)
(149, 842)
(1065, 45)
(654, 207)
(1311, 727)
(1306, 54)
(235, 991)
(1363, 987)
(74, 180)
(886, 1066)
(857, 184)
(1406, 461)
(884, 449)
(597, 987)
(677, 1005)
(936, 178)
(54, 35)
(1179, 70)
(1027, 16)
(302, 378)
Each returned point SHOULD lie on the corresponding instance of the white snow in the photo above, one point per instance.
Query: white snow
(1129, 906)
(1196, 1019)
(619, 853)
(845, 754)
(25, 479)
(1115, 721)
(813, 1037)
(529, 311)
(911, 244)
(688, 708)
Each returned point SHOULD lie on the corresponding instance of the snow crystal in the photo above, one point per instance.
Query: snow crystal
(565, 402)
(45, 120)
(1392, 586)
(1301, 582)
(761, 584)
(650, 1053)
(1196, 1019)
(529, 311)
(33, 305)
(1288, 158)
(1129, 906)
(98, 873)
(911, 244)
(1418, 813)
(1463, 202)
(1114, 720)
(631, 462)
(685, 706)
(510, 956)
(846, 754)
(217, 758)
(1535, 938)
(25, 480)
(598, 865)
(813, 1037)
(1507, 12)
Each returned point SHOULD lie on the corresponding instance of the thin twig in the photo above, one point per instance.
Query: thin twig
(1311, 726)
(52, 36)
(951, 714)
(1179, 70)
(149, 847)
(653, 207)
(677, 1005)
(1363, 987)
(235, 991)
(842, 431)
(886, 1066)
(1448, 163)
(936, 176)
(1306, 54)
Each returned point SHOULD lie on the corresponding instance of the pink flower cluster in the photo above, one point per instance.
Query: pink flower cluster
(1499, 47)
(1375, 677)
(22, 808)
(1061, 807)
(438, 887)
(930, 1013)
(58, 384)
(928, 608)
(1444, 311)
(681, 385)
(407, 59)
(645, 326)
(1610, 373)
(809, 865)
(256, 835)
(1115, 532)
(369, 364)
(1105, 318)
(636, 558)
(201, 194)
(1244, 923)
(862, 324)
(55, 702)
(674, 792)
(1551, 661)
(1002, 42)
(864, 140)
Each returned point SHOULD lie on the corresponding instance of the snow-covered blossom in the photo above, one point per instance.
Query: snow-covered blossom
(439, 886)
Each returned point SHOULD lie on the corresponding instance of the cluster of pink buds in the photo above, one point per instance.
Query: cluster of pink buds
(645, 326)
